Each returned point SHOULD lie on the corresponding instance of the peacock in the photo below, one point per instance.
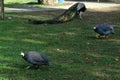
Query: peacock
(68, 15)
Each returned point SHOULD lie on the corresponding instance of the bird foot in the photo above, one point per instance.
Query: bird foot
(101, 36)
(28, 67)
(80, 18)
(98, 36)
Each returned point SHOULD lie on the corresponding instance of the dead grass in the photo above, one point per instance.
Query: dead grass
(106, 9)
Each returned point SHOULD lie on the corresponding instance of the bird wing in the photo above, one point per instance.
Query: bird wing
(100, 31)
(38, 58)
(108, 29)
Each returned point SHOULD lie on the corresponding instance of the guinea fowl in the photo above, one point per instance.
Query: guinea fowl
(103, 30)
(35, 58)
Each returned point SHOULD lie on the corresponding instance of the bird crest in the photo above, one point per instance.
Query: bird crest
(94, 27)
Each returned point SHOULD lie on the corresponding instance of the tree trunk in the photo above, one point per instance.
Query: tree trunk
(40, 1)
(2, 8)
(48, 2)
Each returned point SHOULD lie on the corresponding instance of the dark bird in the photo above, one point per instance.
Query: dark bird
(103, 30)
(35, 58)
(69, 14)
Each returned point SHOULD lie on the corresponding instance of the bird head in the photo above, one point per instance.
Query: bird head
(94, 28)
(22, 54)
(112, 30)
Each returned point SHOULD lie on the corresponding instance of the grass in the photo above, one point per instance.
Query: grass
(22, 3)
(73, 50)
(28, 4)
(17, 1)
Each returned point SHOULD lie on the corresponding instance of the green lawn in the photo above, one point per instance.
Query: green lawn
(18, 1)
(73, 50)
(25, 3)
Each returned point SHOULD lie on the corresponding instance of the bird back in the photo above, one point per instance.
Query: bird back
(36, 58)
(104, 29)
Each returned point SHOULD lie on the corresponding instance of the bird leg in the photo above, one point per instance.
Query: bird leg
(28, 67)
(33, 66)
(98, 36)
(107, 36)
(80, 15)
(101, 36)
(36, 66)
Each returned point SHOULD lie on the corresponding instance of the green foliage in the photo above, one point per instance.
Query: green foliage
(16, 1)
(96, 0)
(73, 50)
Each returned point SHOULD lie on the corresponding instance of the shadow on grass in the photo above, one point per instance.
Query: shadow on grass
(33, 3)
(22, 5)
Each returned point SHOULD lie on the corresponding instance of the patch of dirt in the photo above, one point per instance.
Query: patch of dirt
(106, 9)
